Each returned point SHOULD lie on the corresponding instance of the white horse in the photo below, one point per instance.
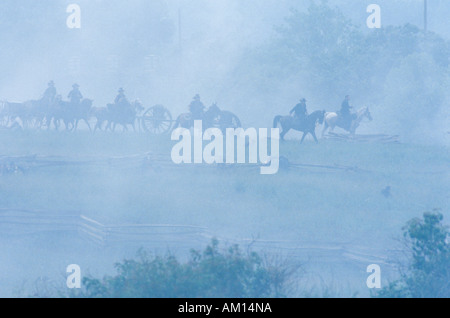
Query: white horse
(333, 120)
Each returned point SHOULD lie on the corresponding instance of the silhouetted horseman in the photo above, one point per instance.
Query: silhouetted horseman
(75, 95)
(120, 98)
(196, 108)
(50, 93)
(299, 111)
(345, 111)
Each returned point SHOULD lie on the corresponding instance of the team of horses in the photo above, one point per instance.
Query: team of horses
(39, 114)
(59, 113)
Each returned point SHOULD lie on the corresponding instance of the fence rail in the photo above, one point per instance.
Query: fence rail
(20, 223)
(363, 138)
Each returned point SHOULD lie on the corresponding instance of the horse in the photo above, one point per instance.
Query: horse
(307, 126)
(13, 112)
(228, 120)
(333, 120)
(210, 118)
(71, 114)
(123, 114)
(34, 113)
(83, 113)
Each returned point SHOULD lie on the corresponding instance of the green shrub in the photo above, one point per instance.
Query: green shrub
(212, 273)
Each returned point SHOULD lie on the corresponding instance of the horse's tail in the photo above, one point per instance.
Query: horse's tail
(276, 121)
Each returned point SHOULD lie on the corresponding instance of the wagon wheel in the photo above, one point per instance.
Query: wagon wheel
(157, 120)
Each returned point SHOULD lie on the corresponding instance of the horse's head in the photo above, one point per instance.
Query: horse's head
(138, 106)
(366, 113)
(213, 110)
(322, 116)
(318, 116)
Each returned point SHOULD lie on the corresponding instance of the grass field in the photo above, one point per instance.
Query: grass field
(300, 205)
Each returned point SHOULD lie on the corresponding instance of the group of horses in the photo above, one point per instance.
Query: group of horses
(214, 117)
(41, 114)
(329, 120)
(44, 114)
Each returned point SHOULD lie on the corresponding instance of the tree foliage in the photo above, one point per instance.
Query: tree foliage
(400, 71)
(429, 271)
(212, 273)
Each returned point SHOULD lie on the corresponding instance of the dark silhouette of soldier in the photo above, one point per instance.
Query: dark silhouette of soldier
(50, 92)
(75, 95)
(345, 107)
(196, 108)
(120, 98)
(299, 111)
(345, 111)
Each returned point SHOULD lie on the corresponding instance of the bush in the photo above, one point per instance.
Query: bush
(211, 273)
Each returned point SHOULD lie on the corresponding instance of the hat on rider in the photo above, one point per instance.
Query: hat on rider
(197, 97)
(75, 85)
(303, 100)
(121, 90)
(51, 83)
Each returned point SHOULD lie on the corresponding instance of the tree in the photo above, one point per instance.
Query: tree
(429, 271)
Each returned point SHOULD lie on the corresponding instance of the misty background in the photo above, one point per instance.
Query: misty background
(255, 58)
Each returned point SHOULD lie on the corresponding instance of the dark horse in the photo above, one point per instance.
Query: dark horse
(123, 114)
(70, 114)
(209, 119)
(307, 126)
(213, 117)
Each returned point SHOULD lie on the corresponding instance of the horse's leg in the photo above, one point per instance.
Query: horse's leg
(325, 127)
(353, 128)
(303, 138)
(87, 123)
(283, 133)
(315, 137)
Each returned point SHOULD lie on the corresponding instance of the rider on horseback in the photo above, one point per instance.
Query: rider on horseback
(50, 93)
(196, 108)
(121, 104)
(120, 97)
(75, 95)
(299, 112)
(345, 112)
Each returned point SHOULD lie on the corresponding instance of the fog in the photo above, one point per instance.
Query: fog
(256, 59)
